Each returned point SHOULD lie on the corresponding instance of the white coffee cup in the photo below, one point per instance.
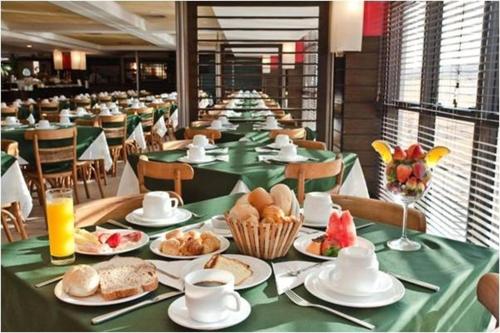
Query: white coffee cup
(282, 140)
(318, 207)
(64, 120)
(200, 140)
(43, 123)
(288, 151)
(11, 120)
(196, 153)
(216, 124)
(157, 205)
(356, 270)
(209, 304)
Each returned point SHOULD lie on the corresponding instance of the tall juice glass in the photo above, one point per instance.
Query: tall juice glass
(61, 223)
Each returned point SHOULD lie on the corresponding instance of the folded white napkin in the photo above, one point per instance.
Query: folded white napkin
(223, 158)
(31, 119)
(172, 267)
(285, 282)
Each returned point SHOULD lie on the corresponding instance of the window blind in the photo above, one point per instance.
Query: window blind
(440, 87)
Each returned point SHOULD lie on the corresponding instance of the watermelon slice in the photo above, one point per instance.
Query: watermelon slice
(341, 231)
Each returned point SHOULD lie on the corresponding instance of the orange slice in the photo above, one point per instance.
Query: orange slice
(383, 149)
(435, 155)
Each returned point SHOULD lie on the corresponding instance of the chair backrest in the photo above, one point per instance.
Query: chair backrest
(211, 134)
(82, 102)
(115, 128)
(99, 211)
(93, 122)
(380, 211)
(104, 99)
(175, 144)
(201, 123)
(52, 116)
(310, 144)
(487, 293)
(293, 133)
(11, 147)
(9, 111)
(49, 107)
(65, 151)
(307, 171)
(165, 171)
(147, 118)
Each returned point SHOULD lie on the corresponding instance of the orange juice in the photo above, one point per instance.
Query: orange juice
(61, 220)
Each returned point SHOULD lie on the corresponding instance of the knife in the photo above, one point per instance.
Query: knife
(118, 224)
(114, 314)
(47, 282)
(415, 282)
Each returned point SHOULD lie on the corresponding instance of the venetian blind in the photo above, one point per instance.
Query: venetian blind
(440, 87)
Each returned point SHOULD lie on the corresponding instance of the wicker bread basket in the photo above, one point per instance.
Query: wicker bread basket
(266, 240)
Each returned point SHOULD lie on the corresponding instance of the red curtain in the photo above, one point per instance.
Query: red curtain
(373, 20)
(299, 47)
(66, 56)
(274, 61)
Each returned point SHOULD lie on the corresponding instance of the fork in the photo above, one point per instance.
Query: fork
(297, 272)
(302, 302)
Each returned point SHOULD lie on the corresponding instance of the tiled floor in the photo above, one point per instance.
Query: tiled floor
(35, 225)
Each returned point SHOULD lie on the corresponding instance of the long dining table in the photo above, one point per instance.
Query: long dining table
(452, 265)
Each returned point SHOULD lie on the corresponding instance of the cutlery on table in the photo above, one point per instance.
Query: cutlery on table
(362, 226)
(415, 282)
(47, 282)
(309, 231)
(297, 272)
(302, 302)
(114, 314)
(118, 224)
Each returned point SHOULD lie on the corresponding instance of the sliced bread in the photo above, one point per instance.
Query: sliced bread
(240, 270)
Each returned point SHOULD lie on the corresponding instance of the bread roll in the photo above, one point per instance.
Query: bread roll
(80, 281)
(242, 200)
(273, 213)
(171, 247)
(260, 199)
(243, 212)
(175, 234)
(282, 197)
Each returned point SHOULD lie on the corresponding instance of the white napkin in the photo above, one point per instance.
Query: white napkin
(31, 119)
(172, 267)
(285, 282)
(223, 158)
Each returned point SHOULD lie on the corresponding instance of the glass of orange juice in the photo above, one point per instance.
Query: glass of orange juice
(61, 223)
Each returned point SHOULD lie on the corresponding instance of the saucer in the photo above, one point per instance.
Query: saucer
(224, 232)
(301, 243)
(384, 283)
(208, 146)
(296, 158)
(179, 215)
(206, 159)
(178, 313)
(316, 286)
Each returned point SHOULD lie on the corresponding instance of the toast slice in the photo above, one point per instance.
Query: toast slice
(127, 280)
(240, 270)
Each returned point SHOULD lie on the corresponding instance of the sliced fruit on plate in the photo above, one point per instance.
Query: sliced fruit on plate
(383, 149)
(435, 155)
(341, 231)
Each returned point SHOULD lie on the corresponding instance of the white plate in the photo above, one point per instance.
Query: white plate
(179, 215)
(185, 159)
(261, 270)
(315, 284)
(301, 243)
(155, 248)
(208, 226)
(208, 146)
(297, 158)
(178, 312)
(96, 299)
(143, 241)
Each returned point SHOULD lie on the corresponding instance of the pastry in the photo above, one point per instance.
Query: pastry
(191, 247)
(80, 281)
(282, 197)
(210, 242)
(191, 243)
(260, 199)
(171, 247)
(240, 270)
(243, 211)
(273, 213)
(177, 234)
(243, 199)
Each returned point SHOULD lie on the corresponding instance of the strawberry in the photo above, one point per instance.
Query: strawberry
(134, 236)
(411, 184)
(415, 152)
(403, 172)
(419, 169)
(114, 240)
(399, 154)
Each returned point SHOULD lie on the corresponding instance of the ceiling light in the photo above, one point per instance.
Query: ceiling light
(28, 46)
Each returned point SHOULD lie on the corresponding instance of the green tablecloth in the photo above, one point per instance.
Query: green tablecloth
(85, 136)
(218, 179)
(7, 161)
(454, 266)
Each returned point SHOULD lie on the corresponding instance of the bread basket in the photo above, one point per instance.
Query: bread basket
(266, 240)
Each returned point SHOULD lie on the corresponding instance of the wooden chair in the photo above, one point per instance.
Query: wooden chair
(211, 134)
(147, 121)
(45, 157)
(53, 117)
(92, 122)
(104, 99)
(49, 107)
(487, 293)
(310, 144)
(84, 103)
(9, 111)
(308, 171)
(100, 211)
(12, 211)
(175, 144)
(380, 211)
(293, 133)
(166, 171)
(115, 130)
